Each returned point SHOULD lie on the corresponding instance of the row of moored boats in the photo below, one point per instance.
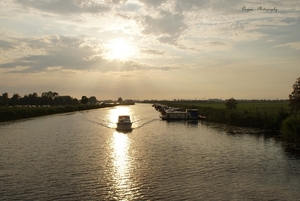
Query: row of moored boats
(170, 113)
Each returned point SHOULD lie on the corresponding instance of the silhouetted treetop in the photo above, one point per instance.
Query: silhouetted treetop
(231, 104)
(295, 97)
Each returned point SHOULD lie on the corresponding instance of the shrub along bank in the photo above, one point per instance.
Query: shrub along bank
(290, 131)
(14, 113)
(245, 118)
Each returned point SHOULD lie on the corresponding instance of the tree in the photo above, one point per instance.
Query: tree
(5, 96)
(93, 100)
(75, 101)
(50, 94)
(231, 104)
(84, 100)
(120, 100)
(14, 100)
(295, 97)
(48, 97)
(4, 99)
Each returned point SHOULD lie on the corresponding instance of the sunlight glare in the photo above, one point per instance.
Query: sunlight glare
(119, 49)
(122, 176)
(114, 114)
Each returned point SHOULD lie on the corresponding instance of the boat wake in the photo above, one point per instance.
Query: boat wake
(98, 120)
(138, 124)
(104, 121)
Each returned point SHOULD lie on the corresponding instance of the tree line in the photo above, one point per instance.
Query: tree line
(46, 99)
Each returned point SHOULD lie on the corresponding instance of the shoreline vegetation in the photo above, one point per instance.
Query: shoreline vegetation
(266, 115)
(17, 113)
(272, 116)
(32, 105)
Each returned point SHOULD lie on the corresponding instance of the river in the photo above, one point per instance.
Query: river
(81, 156)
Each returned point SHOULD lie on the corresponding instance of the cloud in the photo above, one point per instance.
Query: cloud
(65, 7)
(165, 23)
(183, 5)
(294, 45)
(60, 53)
(208, 22)
(5, 45)
(199, 26)
(67, 52)
(154, 3)
(165, 27)
(153, 52)
(216, 7)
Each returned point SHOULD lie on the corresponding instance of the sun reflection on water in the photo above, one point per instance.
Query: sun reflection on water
(122, 166)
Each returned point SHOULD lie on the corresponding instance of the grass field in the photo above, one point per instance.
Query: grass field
(268, 106)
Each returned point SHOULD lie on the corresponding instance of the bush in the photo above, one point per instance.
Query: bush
(290, 130)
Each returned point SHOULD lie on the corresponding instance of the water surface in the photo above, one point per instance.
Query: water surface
(81, 156)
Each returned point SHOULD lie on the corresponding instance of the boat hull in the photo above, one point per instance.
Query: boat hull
(189, 114)
(124, 126)
(178, 118)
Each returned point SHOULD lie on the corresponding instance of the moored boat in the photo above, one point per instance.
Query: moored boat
(189, 114)
(124, 123)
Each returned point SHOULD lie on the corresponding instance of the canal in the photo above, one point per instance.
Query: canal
(81, 156)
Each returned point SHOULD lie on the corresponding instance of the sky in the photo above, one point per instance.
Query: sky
(150, 49)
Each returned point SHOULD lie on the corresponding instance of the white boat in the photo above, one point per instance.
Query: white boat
(124, 123)
(177, 114)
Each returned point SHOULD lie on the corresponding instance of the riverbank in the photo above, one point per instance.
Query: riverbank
(277, 121)
(15, 113)
(263, 115)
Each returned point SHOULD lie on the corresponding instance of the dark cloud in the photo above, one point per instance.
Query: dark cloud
(153, 52)
(165, 24)
(6, 45)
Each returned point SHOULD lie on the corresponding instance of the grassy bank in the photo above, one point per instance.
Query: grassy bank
(271, 116)
(266, 115)
(15, 113)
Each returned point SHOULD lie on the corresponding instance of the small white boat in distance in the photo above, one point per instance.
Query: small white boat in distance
(124, 123)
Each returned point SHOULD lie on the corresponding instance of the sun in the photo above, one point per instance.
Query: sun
(119, 49)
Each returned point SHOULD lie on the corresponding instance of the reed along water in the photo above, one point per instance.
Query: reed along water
(81, 156)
